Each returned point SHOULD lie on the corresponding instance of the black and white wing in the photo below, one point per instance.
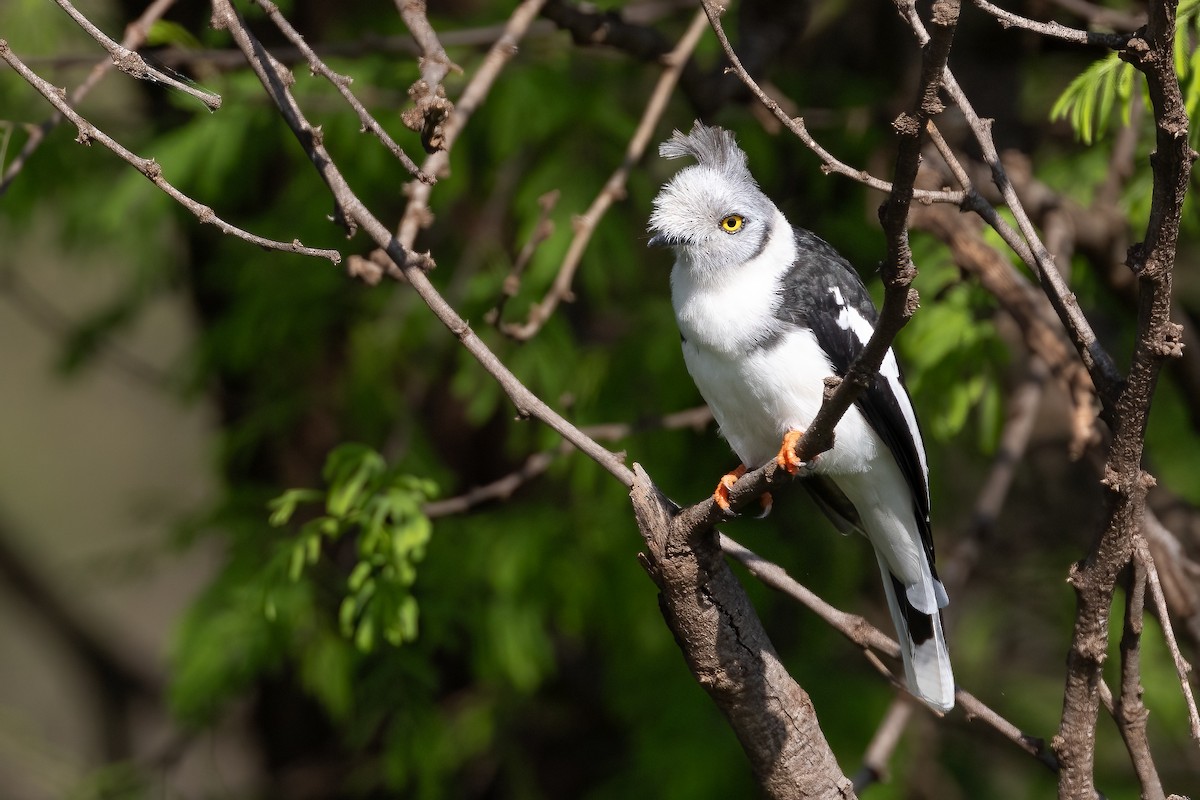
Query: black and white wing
(823, 292)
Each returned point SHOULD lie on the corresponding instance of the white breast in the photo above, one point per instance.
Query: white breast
(759, 393)
(759, 396)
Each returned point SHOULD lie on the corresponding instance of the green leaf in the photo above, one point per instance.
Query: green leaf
(1088, 100)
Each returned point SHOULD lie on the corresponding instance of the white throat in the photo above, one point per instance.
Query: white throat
(729, 309)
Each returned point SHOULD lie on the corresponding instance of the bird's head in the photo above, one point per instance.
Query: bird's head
(712, 213)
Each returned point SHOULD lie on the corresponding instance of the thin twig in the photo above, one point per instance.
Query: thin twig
(342, 84)
(405, 264)
(416, 212)
(1129, 712)
(614, 188)
(1182, 667)
(869, 638)
(887, 736)
(543, 229)
(1053, 30)
(135, 34)
(1102, 16)
(536, 464)
(53, 322)
(89, 133)
(133, 64)
(829, 163)
(431, 109)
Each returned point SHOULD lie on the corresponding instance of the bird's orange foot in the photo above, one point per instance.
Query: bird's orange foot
(721, 495)
(787, 458)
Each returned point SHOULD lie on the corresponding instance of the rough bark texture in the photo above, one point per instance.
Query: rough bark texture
(1151, 51)
(729, 654)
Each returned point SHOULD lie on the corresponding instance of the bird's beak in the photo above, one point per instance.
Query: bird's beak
(659, 240)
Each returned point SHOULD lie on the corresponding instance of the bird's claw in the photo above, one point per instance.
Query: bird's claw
(787, 458)
(766, 502)
(721, 495)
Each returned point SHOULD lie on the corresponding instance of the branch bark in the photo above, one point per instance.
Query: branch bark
(731, 657)
(1151, 51)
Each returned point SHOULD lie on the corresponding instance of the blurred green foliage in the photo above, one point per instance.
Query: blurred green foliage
(541, 668)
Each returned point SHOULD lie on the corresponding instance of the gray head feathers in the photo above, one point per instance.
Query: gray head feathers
(710, 146)
(712, 212)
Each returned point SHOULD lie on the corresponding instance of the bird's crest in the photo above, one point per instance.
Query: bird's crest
(710, 146)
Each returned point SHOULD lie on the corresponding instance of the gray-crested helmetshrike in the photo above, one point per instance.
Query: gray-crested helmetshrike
(766, 312)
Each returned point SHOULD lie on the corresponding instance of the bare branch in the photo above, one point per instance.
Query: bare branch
(342, 84)
(416, 213)
(887, 736)
(731, 657)
(135, 34)
(543, 229)
(872, 640)
(1152, 52)
(405, 264)
(431, 110)
(1102, 16)
(89, 133)
(1053, 30)
(1182, 668)
(829, 164)
(52, 321)
(614, 188)
(1129, 712)
(536, 464)
(133, 64)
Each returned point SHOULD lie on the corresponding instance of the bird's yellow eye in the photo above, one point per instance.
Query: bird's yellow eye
(732, 223)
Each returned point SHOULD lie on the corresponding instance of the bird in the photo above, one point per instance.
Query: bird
(767, 312)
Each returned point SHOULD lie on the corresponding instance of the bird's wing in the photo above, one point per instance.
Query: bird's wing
(824, 293)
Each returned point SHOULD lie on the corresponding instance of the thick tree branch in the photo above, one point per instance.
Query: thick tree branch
(731, 657)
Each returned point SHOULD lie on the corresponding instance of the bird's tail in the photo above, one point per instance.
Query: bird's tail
(922, 645)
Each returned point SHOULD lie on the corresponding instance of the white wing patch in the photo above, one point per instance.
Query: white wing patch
(849, 319)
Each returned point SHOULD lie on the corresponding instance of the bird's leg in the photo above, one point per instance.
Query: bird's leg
(721, 495)
(787, 458)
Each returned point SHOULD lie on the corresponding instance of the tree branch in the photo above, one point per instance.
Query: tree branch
(1053, 30)
(135, 34)
(405, 263)
(89, 133)
(342, 84)
(614, 188)
(1152, 53)
(731, 657)
(829, 164)
(134, 65)
(431, 109)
